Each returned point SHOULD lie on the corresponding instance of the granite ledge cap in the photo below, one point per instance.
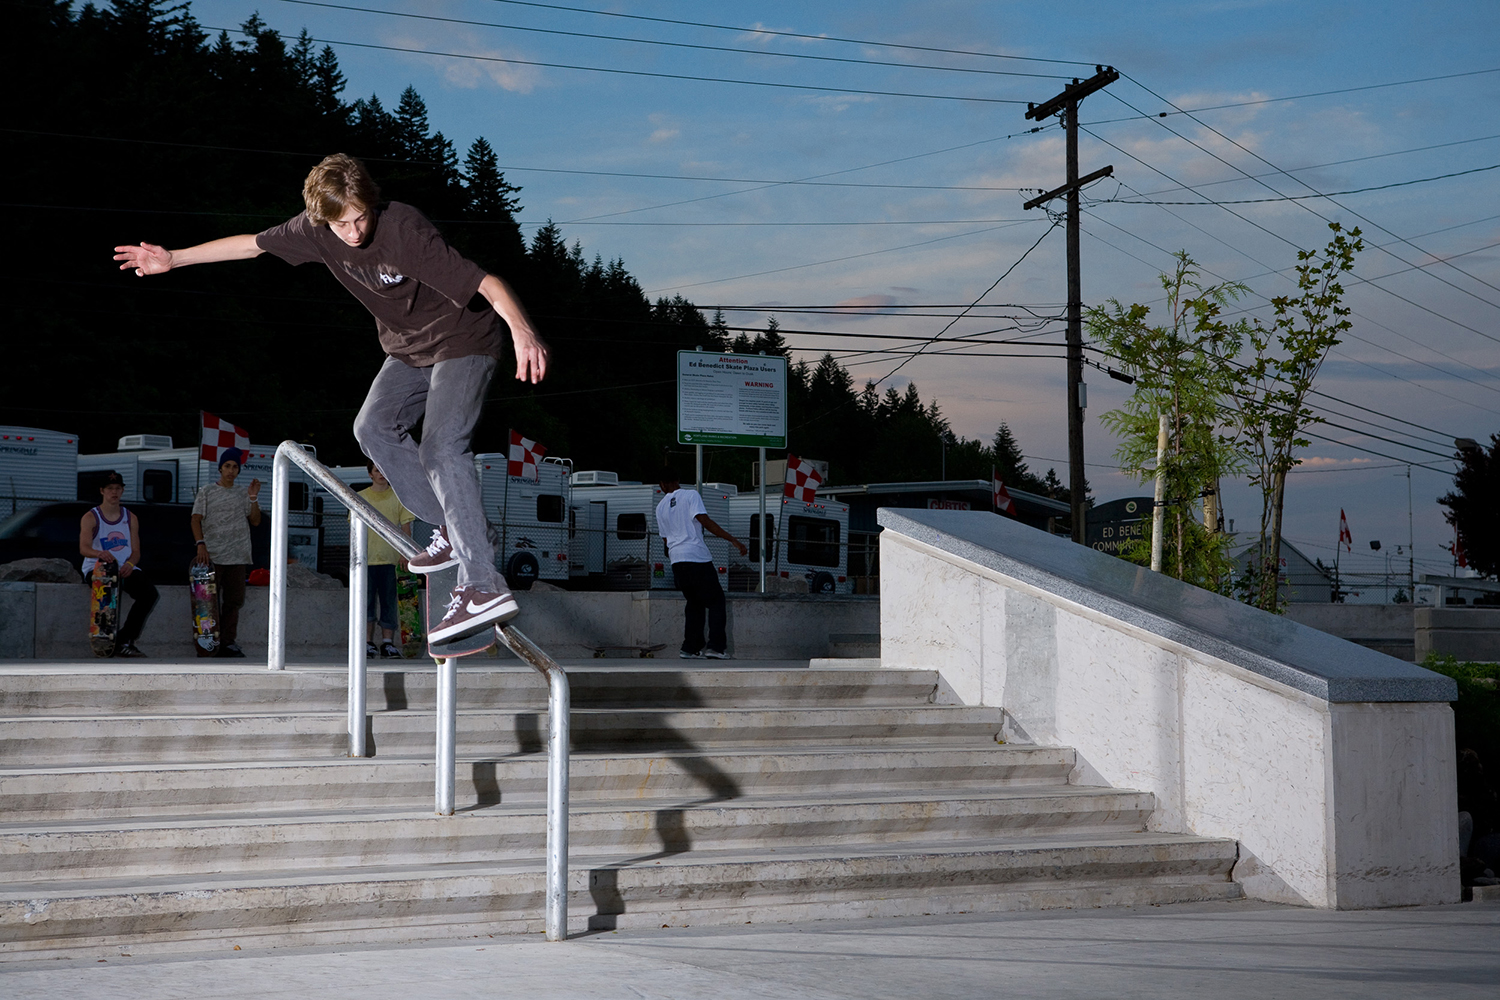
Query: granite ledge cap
(1269, 645)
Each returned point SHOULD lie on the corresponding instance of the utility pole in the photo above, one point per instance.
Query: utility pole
(1066, 105)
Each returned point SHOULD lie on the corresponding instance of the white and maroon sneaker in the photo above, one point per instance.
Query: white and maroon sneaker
(438, 555)
(472, 609)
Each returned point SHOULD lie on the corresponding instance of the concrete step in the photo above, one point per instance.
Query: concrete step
(412, 685)
(361, 838)
(44, 794)
(292, 735)
(397, 904)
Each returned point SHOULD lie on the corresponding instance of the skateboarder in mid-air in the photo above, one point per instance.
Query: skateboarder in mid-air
(438, 316)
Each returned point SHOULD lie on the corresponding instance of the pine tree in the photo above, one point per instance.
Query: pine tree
(488, 196)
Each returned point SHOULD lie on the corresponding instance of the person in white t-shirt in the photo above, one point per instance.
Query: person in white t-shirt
(681, 520)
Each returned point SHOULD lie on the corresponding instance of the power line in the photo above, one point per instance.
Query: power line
(832, 260)
(1270, 270)
(1319, 215)
(1330, 163)
(793, 34)
(1303, 197)
(686, 77)
(667, 44)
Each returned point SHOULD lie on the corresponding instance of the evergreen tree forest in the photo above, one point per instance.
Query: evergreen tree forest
(134, 124)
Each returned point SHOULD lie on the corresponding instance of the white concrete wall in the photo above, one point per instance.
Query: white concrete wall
(1334, 805)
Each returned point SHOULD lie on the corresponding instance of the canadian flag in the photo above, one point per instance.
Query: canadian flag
(524, 456)
(1003, 503)
(1458, 552)
(802, 480)
(220, 434)
(1345, 539)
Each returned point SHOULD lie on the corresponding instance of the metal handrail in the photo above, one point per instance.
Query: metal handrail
(558, 694)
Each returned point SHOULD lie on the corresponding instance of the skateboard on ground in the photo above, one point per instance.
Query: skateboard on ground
(203, 592)
(104, 607)
(439, 586)
(642, 652)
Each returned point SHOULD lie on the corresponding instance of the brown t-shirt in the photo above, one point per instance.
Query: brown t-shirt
(422, 292)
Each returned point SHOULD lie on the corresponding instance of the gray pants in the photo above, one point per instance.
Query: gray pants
(436, 479)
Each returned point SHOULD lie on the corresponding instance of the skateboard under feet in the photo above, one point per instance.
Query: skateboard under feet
(439, 586)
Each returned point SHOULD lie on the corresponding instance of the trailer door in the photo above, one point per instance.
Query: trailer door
(593, 538)
(157, 481)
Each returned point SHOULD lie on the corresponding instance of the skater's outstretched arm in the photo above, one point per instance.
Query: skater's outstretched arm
(531, 350)
(148, 258)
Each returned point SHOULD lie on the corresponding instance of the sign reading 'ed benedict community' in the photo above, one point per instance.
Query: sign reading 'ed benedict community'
(731, 399)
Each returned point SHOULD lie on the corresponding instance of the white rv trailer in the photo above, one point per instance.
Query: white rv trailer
(616, 545)
(36, 467)
(531, 516)
(807, 540)
(156, 472)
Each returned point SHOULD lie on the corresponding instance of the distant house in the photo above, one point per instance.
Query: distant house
(949, 494)
(1302, 581)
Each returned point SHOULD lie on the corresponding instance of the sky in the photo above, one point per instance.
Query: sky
(774, 157)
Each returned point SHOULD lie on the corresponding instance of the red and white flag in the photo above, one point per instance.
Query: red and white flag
(1345, 539)
(802, 480)
(1003, 503)
(524, 456)
(220, 434)
(1459, 556)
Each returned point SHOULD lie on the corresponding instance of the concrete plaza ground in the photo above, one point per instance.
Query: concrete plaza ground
(1226, 951)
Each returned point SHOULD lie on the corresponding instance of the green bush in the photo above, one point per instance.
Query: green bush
(1476, 713)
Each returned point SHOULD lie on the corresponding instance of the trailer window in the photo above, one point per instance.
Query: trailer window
(812, 541)
(630, 527)
(156, 486)
(549, 509)
(297, 496)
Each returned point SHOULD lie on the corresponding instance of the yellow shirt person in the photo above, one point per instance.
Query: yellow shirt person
(383, 560)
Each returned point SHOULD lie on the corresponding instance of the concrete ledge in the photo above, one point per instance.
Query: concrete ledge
(1270, 645)
(1467, 633)
(1331, 765)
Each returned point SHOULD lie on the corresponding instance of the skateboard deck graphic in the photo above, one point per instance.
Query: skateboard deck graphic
(439, 586)
(104, 607)
(203, 592)
(410, 612)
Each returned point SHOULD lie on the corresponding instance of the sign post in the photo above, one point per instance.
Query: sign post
(734, 400)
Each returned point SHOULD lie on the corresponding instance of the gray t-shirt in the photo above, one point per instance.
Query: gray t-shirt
(226, 523)
(421, 291)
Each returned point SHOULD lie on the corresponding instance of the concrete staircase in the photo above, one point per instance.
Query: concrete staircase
(166, 808)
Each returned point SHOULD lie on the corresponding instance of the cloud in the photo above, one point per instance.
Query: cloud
(760, 34)
(663, 135)
(867, 302)
(470, 74)
(1320, 462)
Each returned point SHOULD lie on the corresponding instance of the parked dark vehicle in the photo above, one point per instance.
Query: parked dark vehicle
(51, 532)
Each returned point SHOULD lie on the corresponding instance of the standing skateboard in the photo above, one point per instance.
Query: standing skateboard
(203, 591)
(104, 607)
(439, 586)
(409, 613)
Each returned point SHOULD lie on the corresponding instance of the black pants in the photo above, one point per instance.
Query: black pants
(699, 583)
(231, 582)
(143, 593)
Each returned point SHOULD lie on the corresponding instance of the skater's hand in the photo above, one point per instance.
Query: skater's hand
(201, 559)
(148, 258)
(531, 355)
(254, 490)
(127, 569)
(744, 549)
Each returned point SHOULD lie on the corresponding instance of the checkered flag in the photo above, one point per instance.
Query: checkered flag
(1003, 503)
(802, 480)
(220, 434)
(524, 456)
